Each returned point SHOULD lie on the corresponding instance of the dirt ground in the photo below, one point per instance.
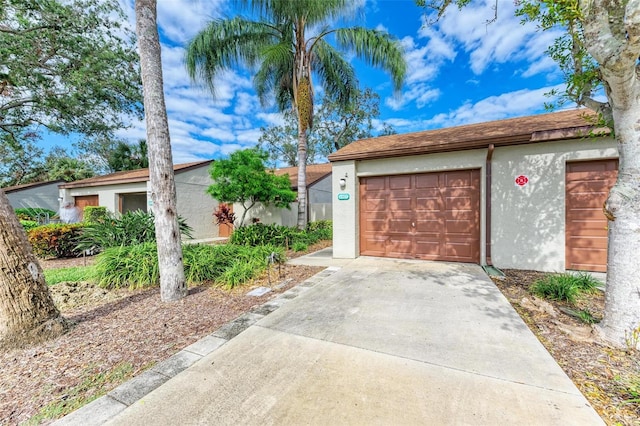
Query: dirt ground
(118, 334)
(599, 371)
(118, 331)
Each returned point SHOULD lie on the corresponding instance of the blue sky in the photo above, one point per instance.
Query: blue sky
(461, 71)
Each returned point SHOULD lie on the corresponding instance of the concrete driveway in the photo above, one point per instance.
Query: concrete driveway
(378, 341)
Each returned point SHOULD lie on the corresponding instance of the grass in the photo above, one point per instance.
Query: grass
(72, 274)
(629, 387)
(583, 315)
(94, 385)
(564, 287)
(227, 265)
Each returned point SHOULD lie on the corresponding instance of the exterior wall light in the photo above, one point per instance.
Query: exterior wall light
(343, 183)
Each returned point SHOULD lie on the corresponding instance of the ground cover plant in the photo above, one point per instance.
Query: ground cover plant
(137, 266)
(71, 274)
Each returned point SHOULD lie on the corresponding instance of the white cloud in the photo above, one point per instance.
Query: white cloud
(503, 40)
(512, 104)
(420, 93)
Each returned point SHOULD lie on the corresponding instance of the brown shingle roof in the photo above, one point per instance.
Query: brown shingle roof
(513, 131)
(129, 176)
(14, 188)
(315, 172)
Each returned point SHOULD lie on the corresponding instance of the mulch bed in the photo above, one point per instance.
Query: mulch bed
(120, 328)
(597, 369)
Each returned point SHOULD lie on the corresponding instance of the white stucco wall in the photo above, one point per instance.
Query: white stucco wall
(527, 223)
(319, 205)
(107, 194)
(44, 196)
(194, 204)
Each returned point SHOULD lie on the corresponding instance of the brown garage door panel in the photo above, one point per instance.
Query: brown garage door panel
(432, 216)
(587, 187)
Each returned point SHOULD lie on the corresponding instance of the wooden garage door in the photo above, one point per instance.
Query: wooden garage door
(588, 185)
(83, 201)
(434, 216)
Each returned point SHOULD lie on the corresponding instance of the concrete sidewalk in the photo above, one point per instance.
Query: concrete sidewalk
(378, 341)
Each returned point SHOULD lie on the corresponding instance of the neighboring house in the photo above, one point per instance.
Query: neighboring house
(318, 198)
(125, 191)
(523, 193)
(40, 194)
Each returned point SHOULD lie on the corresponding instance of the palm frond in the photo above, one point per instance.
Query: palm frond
(227, 43)
(377, 48)
(337, 76)
(275, 74)
(313, 11)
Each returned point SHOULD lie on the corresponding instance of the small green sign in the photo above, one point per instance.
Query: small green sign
(343, 196)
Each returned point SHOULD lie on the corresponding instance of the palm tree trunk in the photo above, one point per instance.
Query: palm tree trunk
(163, 189)
(302, 178)
(27, 312)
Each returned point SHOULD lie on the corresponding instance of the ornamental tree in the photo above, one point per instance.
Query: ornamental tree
(244, 179)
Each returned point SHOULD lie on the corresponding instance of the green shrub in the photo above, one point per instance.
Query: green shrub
(323, 229)
(33, 213)
(93, 214)
(128, 266)
(28, 225)
(260, 234)
(299, 246)
(564, 287)
(55, 240)
(282, 236)
(241, 272)
(137, 266)
(131, 229)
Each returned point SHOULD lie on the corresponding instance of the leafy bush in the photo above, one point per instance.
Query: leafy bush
(133, 266)
(28, 225)
(565, 287)
(299, 246)
(323, 229)
(261, 234)
(132, 228)
(137, 266)
(32, 213)
(94, 214)
(55, 240)
(282, 236)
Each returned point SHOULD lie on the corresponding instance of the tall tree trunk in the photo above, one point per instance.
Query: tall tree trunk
(302, 178)
(621, 323)
(163, 189)
(612, 37)
(27, 312)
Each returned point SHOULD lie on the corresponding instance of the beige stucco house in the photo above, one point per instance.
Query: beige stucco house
(125, 191)
(522, 193)
(41, 194)
(318, 198)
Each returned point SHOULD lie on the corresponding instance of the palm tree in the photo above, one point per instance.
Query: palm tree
(289, 46)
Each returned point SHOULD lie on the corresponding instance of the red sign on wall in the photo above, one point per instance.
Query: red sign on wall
(522, 180)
